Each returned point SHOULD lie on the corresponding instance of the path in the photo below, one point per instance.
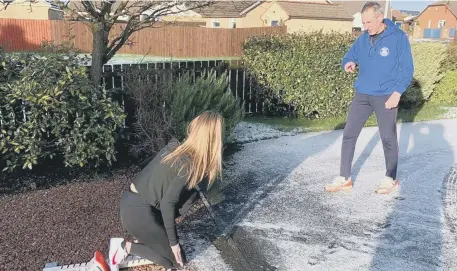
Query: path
(273, 199)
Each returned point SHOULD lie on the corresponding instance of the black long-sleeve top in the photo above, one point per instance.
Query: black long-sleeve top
(166, 190)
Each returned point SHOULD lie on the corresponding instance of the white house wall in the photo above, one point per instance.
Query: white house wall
(357, 22)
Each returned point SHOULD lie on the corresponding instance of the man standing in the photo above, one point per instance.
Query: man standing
(383, 55)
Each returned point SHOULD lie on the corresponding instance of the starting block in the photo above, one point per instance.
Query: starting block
(130, 261)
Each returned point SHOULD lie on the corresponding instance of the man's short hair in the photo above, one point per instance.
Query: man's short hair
(372, 5)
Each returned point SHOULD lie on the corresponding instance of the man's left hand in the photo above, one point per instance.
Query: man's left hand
(393, 100)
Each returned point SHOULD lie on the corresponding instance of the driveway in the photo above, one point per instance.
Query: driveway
(273, 206)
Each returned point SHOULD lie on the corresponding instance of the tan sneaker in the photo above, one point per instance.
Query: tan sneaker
(340, 183)
(388, 185)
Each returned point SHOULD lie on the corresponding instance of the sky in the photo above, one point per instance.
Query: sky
(417, 5)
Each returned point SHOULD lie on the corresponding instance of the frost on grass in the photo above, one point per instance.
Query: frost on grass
(451, 199)
(451, 112)
(450, 210)
(208, 258)
(195, 231)
(246, 132)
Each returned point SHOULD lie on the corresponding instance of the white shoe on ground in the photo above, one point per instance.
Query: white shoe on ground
(117, 253)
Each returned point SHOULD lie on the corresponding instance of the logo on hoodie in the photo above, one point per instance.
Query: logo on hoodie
(384, 51)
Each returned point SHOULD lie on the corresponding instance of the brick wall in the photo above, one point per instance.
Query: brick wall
(430, 18)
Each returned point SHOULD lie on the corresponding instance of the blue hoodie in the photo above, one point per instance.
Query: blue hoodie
(385, 67)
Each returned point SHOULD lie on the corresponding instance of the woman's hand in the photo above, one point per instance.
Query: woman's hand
(177, 252)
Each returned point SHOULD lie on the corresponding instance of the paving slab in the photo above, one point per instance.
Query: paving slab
(273, 204)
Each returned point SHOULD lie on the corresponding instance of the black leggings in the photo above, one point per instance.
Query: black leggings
(144, 222)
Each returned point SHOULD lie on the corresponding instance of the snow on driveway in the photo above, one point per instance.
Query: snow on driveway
(272, 197)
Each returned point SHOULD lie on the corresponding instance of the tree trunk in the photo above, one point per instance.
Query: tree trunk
(100, 42)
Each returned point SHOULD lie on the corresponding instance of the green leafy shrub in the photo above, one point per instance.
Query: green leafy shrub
(427, 57)
(49, 108)
(166, 103)
(60, 48)
(189, 98)
(450, 61)
(446, 90)
(304, 70)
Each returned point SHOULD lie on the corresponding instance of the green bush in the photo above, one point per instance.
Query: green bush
(427, 57)
(446, 90)
(450, 61)
(304, 70)
(166, 103)
(49, 108)
(187, 99)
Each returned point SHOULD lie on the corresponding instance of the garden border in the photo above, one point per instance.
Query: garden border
(130, 261)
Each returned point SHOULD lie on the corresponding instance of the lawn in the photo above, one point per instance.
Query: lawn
(425, 113)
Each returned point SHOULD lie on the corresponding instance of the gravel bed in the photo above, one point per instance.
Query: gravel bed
(63, 224)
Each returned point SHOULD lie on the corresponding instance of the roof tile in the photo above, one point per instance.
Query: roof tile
(297, 9)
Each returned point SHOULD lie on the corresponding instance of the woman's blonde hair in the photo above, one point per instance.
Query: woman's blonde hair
(201, 152)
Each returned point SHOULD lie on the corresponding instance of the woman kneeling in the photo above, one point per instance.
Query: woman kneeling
(165, 189)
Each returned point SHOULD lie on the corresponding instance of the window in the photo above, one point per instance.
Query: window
(430, 24)
(274, 23)
(441, 23)
(232, 23)
(216, 23)
(356, 30)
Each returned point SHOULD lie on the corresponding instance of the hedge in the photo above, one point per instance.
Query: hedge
(305, 70)
(450, 62)
(446, 90)
(428, 58)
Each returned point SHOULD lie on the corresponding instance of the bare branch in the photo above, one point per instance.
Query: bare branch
(90, 7)
(134, 23)
(168, 9)
(5, 3)
(119, 41)
(105, 9)
(120, 10)
(75, 11)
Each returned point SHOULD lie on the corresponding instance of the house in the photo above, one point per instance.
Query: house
(437, 21)
(296, 15)
(233, 14)
(27, 9)
(303, 16)
(400, 16)
(181, 14)
(355, 9)
(405, 19)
